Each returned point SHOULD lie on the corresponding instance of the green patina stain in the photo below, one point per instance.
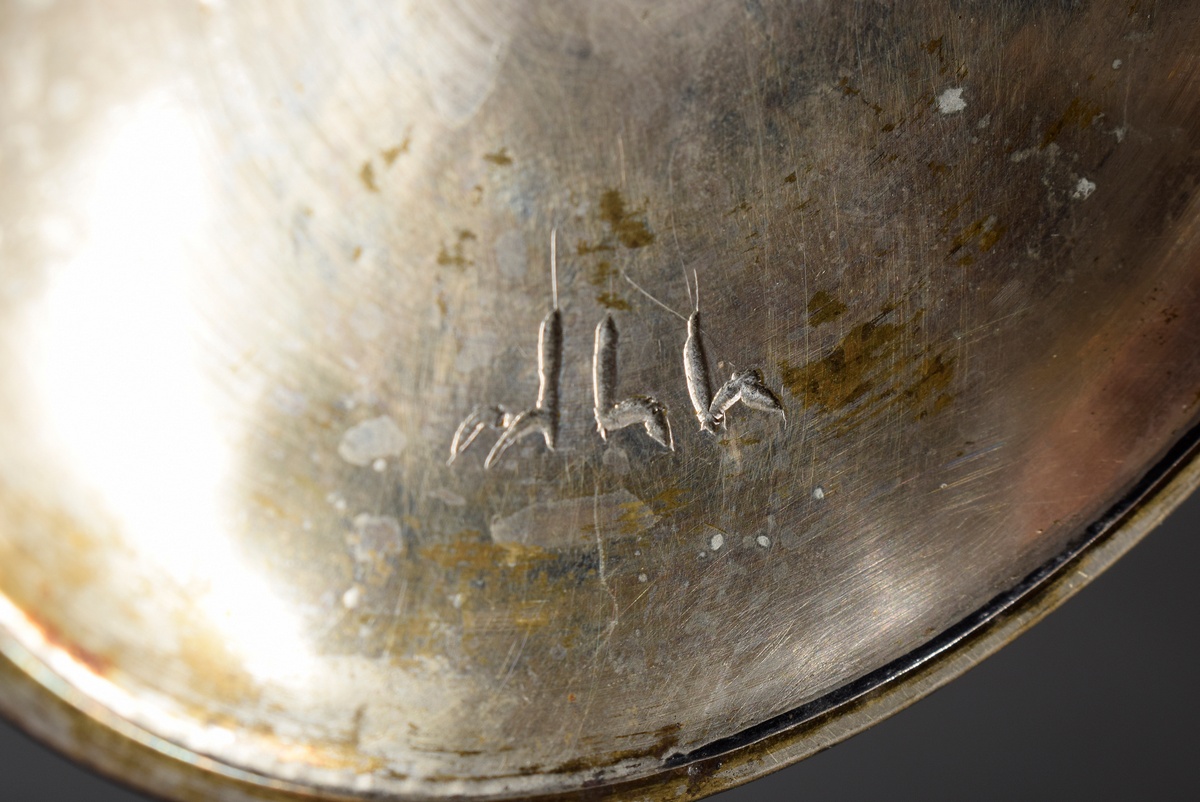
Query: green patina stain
(500, 158)
(824, 308)
(630, 232)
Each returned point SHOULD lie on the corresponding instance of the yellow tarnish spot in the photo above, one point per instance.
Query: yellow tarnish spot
(391, 154)
(367, 176)
(635, 517)
(984, 233)
(849, 372)
(1079, 113)
(934, 47)
(850, 90)
(468, 552)
(629, 232)
(613, 301)
(928, 393)
(989, 238)
(455, 255)
(500, 158)
(824, 308)
(669, 500)
(601, 273)
(869, 372)
(584, 248)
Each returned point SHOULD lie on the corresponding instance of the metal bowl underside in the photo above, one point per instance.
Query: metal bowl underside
(259, 262)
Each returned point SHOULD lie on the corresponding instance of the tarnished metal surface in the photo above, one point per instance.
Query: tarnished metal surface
(860, 316)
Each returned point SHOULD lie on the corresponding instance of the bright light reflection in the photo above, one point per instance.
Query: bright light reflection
(121, 376)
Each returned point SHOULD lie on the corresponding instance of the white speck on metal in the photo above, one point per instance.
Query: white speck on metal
(716, 541)
(371, 440)
(352, 597)
(379, 465)
(951, 101)
(1083, 189)
(643, 578)
(818, 492)
(763, 541)
(1116, 64)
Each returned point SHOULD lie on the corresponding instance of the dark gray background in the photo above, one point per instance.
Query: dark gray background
(1096, 702)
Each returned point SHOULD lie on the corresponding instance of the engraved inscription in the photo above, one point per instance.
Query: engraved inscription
(543, 418)
(612, 415)
(695, 370)
(745, 386)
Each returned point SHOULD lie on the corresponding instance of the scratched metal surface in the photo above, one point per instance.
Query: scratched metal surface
(261, 262)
